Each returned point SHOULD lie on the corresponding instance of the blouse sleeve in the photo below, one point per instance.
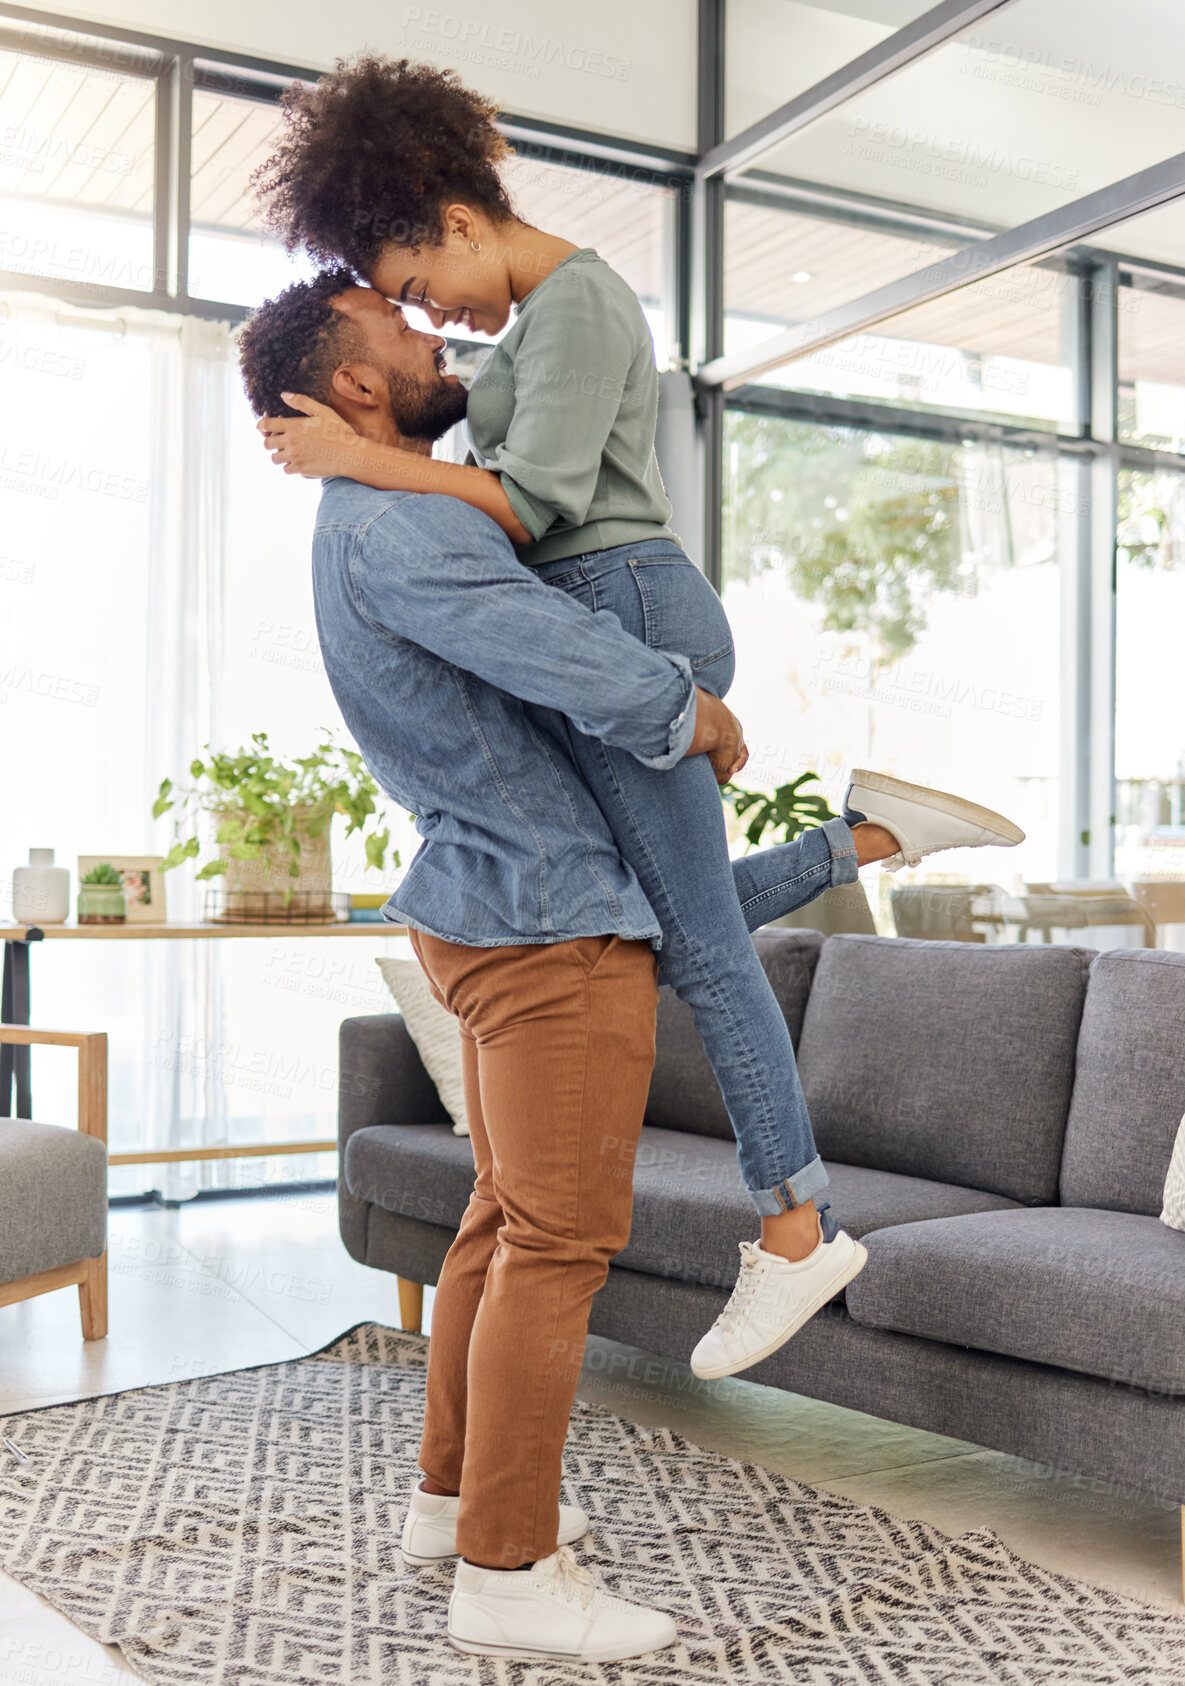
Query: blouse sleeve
(570, 372)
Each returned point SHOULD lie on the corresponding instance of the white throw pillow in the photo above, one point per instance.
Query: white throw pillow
(434, 1031)
(1174, 1185)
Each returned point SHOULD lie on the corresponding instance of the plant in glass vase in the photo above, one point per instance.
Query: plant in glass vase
(272, 820)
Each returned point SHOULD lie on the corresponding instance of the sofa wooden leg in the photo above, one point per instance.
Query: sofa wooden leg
(92, 1299)
(411, 1305)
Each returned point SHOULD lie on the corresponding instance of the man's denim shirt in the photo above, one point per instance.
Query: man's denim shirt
(454, 667)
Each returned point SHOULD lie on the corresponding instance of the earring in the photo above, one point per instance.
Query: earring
(475, 245)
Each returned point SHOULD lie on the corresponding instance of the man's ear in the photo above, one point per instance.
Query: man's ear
(355, 383)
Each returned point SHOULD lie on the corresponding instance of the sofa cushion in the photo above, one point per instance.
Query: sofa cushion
(684, 1093)
(53, 1197)
(1102, 1293)
(1129, 1088)
(944, 1060)
(691, 1209)
(418, 1170)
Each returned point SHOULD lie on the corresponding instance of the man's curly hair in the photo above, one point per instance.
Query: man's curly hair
(371, 155)
(294, 342)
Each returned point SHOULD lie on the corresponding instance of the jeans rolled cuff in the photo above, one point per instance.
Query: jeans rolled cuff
(791, 1191)
(844, 866)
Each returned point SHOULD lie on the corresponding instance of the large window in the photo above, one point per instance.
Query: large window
(1152, 364)
(76, 172)
(896, 604)
(1000, 349)
(155, 590)
(1149, 723)
(230, 257)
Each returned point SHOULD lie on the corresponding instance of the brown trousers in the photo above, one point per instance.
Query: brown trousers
(558, 1048)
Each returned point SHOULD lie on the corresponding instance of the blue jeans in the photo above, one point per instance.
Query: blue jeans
(669, 826)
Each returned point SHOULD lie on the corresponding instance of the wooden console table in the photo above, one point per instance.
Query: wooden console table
(15, 1065)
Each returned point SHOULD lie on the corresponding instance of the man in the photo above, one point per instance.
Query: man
(454, 667)
(530, 928)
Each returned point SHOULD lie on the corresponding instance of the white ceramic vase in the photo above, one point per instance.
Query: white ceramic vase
(40, 891)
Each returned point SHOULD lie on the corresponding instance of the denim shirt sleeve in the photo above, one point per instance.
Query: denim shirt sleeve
(441, 574)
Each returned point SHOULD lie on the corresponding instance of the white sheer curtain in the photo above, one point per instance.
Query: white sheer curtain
(185, 1103)
(114, 442)
(155, 597)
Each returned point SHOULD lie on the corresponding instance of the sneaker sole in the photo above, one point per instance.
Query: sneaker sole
(957, 807)
(859, 1260)
(525, 1654)
(414, 1562)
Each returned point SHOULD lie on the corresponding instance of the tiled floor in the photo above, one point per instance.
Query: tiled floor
(217, 1286)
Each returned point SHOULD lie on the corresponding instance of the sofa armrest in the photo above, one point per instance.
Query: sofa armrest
(381, 1079)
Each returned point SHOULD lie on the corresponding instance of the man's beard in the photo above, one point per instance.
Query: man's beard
(423, 410)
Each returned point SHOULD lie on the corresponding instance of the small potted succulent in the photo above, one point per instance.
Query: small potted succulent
(272, 821)
(101, 900)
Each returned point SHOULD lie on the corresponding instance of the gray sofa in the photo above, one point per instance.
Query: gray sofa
(997, 1123)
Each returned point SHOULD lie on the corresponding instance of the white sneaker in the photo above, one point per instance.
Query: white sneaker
(554, 1609)
(923, 820)
(430, 1527)
(774, 1297)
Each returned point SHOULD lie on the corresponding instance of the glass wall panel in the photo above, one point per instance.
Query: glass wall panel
(784, 266)
(1015, 117)
(231, 259)
(1158, 235)
(76, 166)
(1152, 365)
(775, 49)
(1149, 720)
(627, 221)
(896, 604)
(999, 349)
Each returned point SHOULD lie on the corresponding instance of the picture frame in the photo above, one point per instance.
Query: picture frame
(143, 884)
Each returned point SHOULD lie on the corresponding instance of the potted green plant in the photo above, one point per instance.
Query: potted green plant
(101, 900)
(789, 810)
(272, 820)
(784, 814)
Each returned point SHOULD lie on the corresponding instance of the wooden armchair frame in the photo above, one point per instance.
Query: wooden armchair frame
(89, 1274)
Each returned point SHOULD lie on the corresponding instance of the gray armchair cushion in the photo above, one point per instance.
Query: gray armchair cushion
(691, 1208)
(684, 1093)
(944, 1060)
(1102, 1293)
(53, 1197)
(1129, 1089)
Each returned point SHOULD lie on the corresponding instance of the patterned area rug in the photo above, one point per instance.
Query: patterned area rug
(243, 1529)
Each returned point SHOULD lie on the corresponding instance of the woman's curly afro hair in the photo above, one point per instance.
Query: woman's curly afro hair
(371, 155)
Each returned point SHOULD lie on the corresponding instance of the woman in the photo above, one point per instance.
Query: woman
(392, 168)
